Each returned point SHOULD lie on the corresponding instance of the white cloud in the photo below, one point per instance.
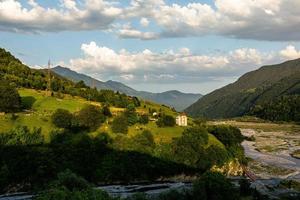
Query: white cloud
(169, 66)
(290, 52)
(133, 33)
(94, 14)
(144, 22)
(247, 19)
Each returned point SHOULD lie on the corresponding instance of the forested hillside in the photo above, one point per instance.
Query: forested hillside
(254, 88)
(13, 71)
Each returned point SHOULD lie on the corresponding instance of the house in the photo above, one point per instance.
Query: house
(181, 120)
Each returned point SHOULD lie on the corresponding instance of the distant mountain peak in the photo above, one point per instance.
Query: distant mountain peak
(172, 98)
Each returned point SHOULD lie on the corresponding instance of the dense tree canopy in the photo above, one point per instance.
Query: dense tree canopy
(285, 108)
(62, 118)
(90, 117)
(120, 125)
(10, 100)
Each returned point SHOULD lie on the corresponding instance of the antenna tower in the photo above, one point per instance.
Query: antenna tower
(49, 77)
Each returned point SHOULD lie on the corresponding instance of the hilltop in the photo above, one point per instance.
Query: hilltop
(259, 87)
(172, 98)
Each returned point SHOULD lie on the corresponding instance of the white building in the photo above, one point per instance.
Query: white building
(181, 120)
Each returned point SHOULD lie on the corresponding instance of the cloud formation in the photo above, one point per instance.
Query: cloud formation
(93, 14)
(272, 20)
(181, 66)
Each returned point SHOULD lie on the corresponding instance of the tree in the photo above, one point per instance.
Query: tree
(62, 118)
(214, 186)
(80, 84)
(131, 115)
(120, 125)
(144, 119)
(21, 135)
(166, 120)
(90, 117)
(189, 149)
(144, 142)
(10, 100)
(106, 111)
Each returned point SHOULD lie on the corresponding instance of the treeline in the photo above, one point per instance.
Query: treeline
(27, 163)
(285, 108)
(211, 186)
(16, 74)
(26, 160)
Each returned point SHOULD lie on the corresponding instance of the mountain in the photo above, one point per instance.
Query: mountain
(254, 88)
(173, 98)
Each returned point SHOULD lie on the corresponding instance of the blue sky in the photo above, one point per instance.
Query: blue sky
(153, 45)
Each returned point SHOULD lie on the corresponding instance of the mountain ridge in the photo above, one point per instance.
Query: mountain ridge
(172, 98)
(255, 87)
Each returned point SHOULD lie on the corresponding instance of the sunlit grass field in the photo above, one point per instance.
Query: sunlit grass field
(41, 106)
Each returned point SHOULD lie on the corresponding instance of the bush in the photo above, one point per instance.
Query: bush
(22, 136)
(144, 142)
(144, 119)
(189, 148)
(166, 120)
(106, 111)
(120, 125)
(214, 186)
(131, 115)
(90, 117)
(62, 118)
(70, 186)
(10, 100)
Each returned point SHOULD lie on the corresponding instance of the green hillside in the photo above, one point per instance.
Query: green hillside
(253, 88)
(172, 98)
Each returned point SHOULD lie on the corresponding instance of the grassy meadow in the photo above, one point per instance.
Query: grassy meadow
(40, 106)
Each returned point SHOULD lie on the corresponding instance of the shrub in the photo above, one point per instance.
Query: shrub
(22, 136)
(10, 100)
(62, 118)
(131, 115)
(166, 120)
(106, 111)
(214, 186)
(90, 117)
(144, 119)
(120, 125)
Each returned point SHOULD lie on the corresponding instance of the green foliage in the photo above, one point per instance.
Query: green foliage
(253, 88)
(166, 120)
(144, 119)
(231, 137)
(10, 100)
(90, 117)
(228, 135)
(106, 111)
(120, 125)
(14, 72)
(62, 118)
(143, 142)
(80, 84)
(22, 136)
(285, 108)
(214, 186)
(190, 147)
(131, 115)
(70, 186)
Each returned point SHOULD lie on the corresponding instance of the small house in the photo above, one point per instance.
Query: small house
(181, 120)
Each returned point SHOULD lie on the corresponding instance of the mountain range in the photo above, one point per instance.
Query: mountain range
(254, 88)
(172, 98)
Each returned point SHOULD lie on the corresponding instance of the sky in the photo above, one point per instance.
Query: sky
(153, 45)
